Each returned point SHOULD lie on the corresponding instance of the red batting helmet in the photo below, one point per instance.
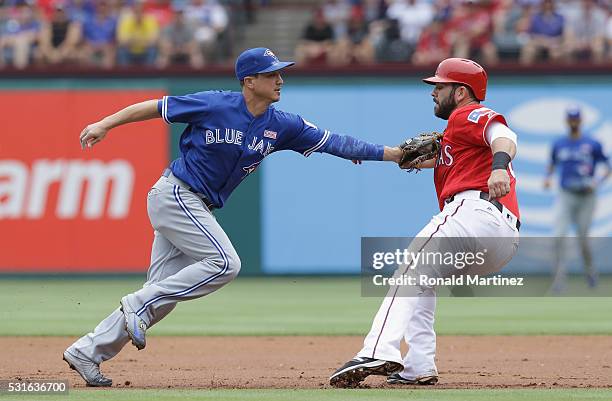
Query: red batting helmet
(461, 71)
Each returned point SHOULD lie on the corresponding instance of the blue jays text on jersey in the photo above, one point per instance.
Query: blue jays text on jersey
(223, 142)
(236, 137)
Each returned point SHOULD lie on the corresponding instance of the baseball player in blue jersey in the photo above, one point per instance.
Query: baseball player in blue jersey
(227, 135)
(576, 157)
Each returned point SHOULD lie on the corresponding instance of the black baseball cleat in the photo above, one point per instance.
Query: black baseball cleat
(425, 380)
(357, 369)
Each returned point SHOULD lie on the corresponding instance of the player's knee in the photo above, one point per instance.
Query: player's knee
(234, 264)
(227, 261)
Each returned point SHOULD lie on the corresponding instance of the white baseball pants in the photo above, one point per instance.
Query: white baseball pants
(412, 317)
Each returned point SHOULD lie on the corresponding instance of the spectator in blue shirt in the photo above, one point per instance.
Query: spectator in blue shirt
(545, 35)
(576, 157)
(99, 37)
(80, 11)
(19, 36)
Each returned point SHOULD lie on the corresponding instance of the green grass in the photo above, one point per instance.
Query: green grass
(283, 306)
(330, 395)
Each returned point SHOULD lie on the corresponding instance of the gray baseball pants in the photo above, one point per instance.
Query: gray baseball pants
(577, 209)
(191, 257)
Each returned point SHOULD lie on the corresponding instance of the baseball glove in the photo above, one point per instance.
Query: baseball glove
(418, 149)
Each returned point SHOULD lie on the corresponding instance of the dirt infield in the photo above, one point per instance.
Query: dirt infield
(307, 362)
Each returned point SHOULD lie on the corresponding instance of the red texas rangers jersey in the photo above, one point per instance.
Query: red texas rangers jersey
(465, 157)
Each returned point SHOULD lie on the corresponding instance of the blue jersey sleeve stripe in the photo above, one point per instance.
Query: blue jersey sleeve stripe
(318, 145)
(165, 109)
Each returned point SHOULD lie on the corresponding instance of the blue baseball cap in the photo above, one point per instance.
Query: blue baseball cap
(573, 112)
(258, 60)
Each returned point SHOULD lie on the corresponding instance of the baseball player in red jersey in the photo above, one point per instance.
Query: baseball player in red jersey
(475, 185)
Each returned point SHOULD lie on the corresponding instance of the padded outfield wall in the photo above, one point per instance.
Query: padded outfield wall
(293, 216)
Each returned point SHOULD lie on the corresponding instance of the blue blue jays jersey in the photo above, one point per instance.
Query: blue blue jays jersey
(223, 142)
(576, 159)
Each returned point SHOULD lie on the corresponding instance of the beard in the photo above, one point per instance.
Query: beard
(446, 106)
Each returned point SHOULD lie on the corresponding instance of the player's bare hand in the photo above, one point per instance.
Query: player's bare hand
(356, 161)
(547, 183)
(499, 184)
(92, 134)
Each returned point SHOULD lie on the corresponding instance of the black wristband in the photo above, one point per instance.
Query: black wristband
(501, 161)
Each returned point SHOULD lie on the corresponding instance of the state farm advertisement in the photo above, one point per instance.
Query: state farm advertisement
(67, 209)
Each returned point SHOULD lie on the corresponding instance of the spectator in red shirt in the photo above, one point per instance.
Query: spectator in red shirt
(433, 44)
(470, 31)
(162, 11)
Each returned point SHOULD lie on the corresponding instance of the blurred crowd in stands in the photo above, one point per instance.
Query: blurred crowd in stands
(160, 33)
(107, 33)
(490, 31)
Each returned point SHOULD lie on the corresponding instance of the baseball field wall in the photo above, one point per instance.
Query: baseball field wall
(63, 209)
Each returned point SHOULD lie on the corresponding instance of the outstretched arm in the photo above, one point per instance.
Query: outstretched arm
(390, 154)
(350, 148)
(95, 132)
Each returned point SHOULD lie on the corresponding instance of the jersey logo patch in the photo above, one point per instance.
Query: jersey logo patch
(270, 134)
(475, 115)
